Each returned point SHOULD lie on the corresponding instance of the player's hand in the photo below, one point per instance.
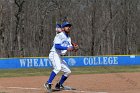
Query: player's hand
(70, 48)
(75, 47)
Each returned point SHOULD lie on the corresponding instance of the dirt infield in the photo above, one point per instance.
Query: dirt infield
(84, 83)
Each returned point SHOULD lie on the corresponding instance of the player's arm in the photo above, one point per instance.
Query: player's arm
(59, 47)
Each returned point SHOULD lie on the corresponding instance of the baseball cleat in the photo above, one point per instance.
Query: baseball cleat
(48, 87)
(59, 87)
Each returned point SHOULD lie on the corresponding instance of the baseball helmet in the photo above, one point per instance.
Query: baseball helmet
(66, 24)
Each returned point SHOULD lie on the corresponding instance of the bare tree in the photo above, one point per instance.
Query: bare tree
(100, 27)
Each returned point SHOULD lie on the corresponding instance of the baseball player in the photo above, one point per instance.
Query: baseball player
(61, 44)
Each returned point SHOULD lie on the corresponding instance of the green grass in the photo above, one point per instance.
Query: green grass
(75, 70)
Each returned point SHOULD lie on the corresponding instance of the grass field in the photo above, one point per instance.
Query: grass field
(75, 70)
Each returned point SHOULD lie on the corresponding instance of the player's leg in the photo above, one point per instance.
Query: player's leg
(64, 77)
(56, 63)
(66, 71)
